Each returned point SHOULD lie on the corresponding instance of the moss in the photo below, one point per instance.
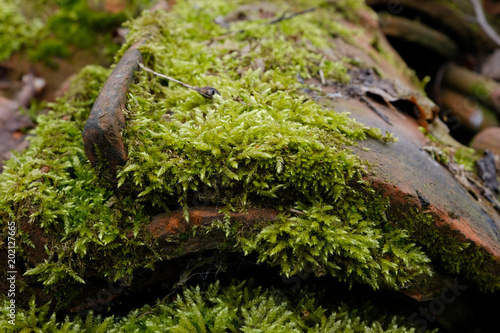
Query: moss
(52, 29)
(445, 153)
(467, 157)
(15, 29)
(262, 138)
(74, 25)
(350, 240)
(447, 249)
(262, 143)
(80, 217)
(239, 307)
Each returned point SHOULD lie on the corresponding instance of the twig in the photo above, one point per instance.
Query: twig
(481, 19)
(15, 158)
(207, 92)
(321, 74)
(374, 109)
(296, 211)
(284, 17)
(438, 82)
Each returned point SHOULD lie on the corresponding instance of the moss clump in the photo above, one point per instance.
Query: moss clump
(52, 186)
(262, 143)
(262, 139)
(54, 28)
(350, 243)
(467, 157)
(448, 250)
(239, 307)
(15, 29)
(75, 25)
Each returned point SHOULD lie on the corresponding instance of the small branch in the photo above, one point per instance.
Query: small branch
(374, 109)
(321, 74)
(166, 76)
(296, 211)
(322, 77)
(207, 92)
(279, 19)
(284, 17)
(481, 19)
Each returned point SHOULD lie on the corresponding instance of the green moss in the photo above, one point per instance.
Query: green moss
(74, 25)
(262, 143)
(239, 307)
(467, 157)
(349, 240)
(448, 250)
(81, 218)
(52, 28)
(15, 29)
(443, 150)
(261, 139)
